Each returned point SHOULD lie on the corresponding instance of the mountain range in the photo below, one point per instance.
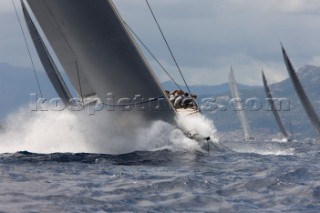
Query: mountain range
(16, 84)
(205, 89)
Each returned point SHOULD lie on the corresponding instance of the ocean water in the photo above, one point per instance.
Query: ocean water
(226, 180)
(176, 176)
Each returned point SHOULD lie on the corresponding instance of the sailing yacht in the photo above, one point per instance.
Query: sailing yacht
(102, 61)
(236, 97)
(274, 109)
(301, 93)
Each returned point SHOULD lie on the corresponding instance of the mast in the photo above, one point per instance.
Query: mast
(235, 94)
(273, 107)
(301, 93)
(46, 60)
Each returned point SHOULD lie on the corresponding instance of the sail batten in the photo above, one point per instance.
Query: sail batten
(236, 95)
(273, 107)
(301, 93)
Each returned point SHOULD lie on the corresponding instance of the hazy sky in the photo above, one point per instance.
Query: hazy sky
(207, 36)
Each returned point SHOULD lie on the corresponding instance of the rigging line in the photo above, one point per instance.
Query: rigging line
(79, 82)
(153, 56)
(29, 52)
(164, 38)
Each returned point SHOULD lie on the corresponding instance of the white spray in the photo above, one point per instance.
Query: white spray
(76, 132)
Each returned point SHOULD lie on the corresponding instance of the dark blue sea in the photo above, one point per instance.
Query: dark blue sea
(233, 176)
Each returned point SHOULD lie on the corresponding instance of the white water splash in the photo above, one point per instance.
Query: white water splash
(76, 132)
(259, 147)
(198, 124)
(282, 140)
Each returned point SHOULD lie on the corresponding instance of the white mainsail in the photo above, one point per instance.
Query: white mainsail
(238, 106)
(100, 56)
